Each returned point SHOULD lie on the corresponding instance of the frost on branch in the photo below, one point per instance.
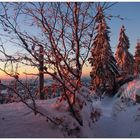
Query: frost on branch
(84, 109)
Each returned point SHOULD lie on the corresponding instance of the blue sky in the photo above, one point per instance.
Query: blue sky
(128, 10)
(131, 11)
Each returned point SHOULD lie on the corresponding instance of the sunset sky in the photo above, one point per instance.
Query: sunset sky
(130, 11)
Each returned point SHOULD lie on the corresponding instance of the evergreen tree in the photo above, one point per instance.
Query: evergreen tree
(137, 59)
(123, 57)
(104, 68)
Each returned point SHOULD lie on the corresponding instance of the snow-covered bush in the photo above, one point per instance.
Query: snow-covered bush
(130, 90)
(60, 112)
(126, 96)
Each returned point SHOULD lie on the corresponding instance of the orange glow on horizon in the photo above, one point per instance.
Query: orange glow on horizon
(86, 71)
(30, 70)
(21, 71)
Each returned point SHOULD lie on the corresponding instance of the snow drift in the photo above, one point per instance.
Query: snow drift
(130, 90)
(112, 117)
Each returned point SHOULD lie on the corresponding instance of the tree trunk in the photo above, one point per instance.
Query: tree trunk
(41, 72)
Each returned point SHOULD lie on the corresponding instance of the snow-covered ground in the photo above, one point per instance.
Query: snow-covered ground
(118, 119)
(16, 120)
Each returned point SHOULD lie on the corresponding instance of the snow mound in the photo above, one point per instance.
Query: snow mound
(130, 90)
(59, 111)
(19, 121)
(106, 118)
(125, 125)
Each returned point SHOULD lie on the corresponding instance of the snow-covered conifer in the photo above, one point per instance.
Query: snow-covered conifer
(137, 59)
(123, 57)
(104, 68)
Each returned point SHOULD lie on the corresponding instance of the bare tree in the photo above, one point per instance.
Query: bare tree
(56, 39)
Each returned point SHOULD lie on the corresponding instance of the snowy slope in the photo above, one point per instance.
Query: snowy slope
(118, 119)
(16, 120)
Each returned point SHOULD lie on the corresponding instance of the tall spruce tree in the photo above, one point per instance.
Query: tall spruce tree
(104, 68)
(123, 57)
(137, 59)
